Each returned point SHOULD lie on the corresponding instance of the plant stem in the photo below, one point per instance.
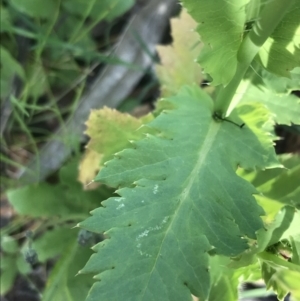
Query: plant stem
(277, 262)
(270, 17)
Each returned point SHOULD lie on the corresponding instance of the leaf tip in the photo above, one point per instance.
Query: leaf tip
(79, 273)
(91, 182)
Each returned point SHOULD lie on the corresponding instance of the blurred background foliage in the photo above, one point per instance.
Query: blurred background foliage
(50, 50)
(51, 53)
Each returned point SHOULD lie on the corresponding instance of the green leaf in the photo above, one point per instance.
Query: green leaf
(295, 243)
(8, 273)
(9, 244)
(62, 200)
(278, 185)
(23, 266)
(63, 283)
(36, 8)
(258, 119)
(180, 200)
(293, 230)
(284, 227)
(42, 200)
(5, 20)
(53, 242)
(221, 27)
(224, 284)
(37, 79)
(223, 290)
(281, 52)
(9, 68)
(270, 235)
(286, 108)
(282, 85)
(290, 280)
(280, 275)
(177, 61)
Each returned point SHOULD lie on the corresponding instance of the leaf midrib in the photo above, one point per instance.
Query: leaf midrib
(204, 149)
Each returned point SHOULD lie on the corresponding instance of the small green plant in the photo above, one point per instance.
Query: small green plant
(202, 200)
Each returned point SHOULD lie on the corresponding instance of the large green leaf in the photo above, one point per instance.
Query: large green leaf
(221, 26)
(180, 200)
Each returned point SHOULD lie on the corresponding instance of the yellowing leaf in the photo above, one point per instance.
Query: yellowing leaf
(111, 131)
(178, 66)
(88, 168)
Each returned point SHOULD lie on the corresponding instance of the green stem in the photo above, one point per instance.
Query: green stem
(277, 262)
(270, 17)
